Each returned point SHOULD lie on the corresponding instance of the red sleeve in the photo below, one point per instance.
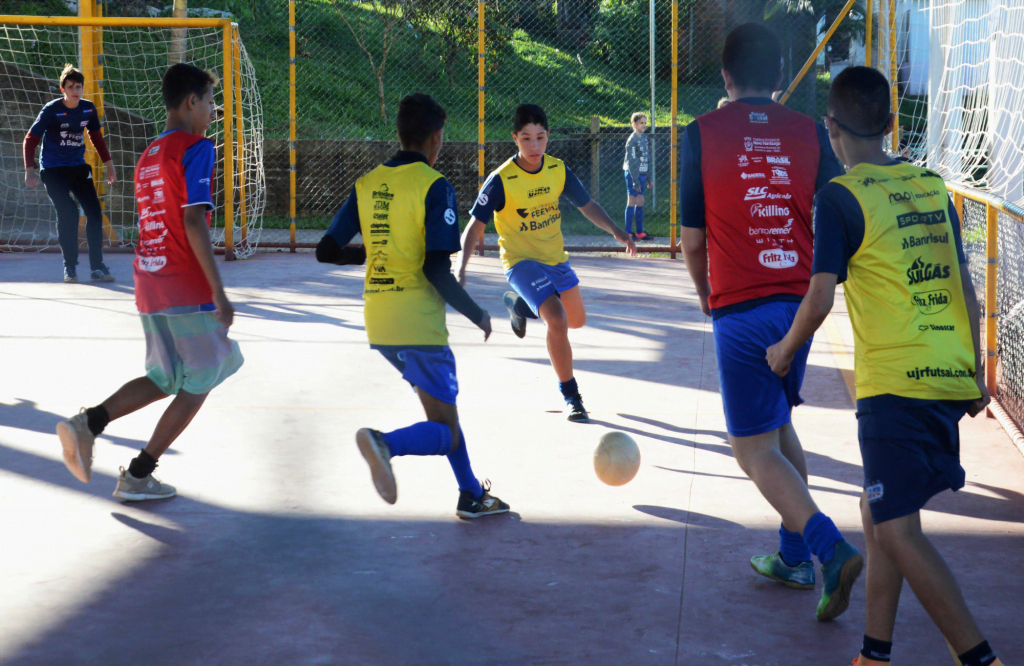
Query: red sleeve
(29, 148)
(100, 145)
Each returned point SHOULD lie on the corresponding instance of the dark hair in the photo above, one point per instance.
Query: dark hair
(860, 98)
(71, 73)
(419, 116)
(182, 80)
(753, 56)
(527, 114)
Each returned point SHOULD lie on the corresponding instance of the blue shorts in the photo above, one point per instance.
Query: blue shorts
(536, 282)
(911, 452)
(632, 190)
(756, 400)
(431, 370)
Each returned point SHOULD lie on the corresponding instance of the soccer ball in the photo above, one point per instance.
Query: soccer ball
(616, 459)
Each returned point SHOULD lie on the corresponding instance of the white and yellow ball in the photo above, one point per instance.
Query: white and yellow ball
(616, 459)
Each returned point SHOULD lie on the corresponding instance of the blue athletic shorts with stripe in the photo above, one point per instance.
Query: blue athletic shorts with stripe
(631, 189)
(429, 368)
(536, 282)
(756, 400)
(911, 452)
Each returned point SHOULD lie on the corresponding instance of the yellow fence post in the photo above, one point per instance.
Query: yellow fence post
(481, 129)
(292, 184)
(958, 204)
(818, 49)
(673, 211)
(867, 34)
(240, 141)
(892, 77)
(991, 276)
(229, 162)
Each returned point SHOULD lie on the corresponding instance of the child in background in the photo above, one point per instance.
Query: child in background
(635, 168)
(185, 312)
(61, 127)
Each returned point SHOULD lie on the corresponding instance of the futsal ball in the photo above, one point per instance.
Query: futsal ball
(616, 459)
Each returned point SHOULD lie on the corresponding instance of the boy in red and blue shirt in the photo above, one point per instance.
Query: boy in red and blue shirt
(178, 290)
(749, 173)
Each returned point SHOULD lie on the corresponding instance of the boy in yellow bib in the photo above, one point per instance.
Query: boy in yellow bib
(522, 198)
(888, 230)
(406, 213)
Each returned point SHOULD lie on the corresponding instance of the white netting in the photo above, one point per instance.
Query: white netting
(961, 88)
(133, 61)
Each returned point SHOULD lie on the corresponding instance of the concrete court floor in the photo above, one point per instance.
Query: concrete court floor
(279, 551)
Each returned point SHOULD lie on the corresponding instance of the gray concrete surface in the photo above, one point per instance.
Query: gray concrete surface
(279, 551)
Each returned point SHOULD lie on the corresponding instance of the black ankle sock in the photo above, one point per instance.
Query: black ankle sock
(97, 418)
(876, 649)
(569, 389)
(142, 465)
(522, 308)
(979, 655)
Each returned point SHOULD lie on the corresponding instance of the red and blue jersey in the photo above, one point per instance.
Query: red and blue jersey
(749, 174)
(174, 173)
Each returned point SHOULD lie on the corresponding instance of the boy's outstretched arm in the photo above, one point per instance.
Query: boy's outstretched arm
(198, 234)
(437, 267)
(596, 214)
(821, 295)
(470, 239)
(974, 315)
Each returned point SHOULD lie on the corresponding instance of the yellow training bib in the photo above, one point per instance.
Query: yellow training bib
(912, 335)
(402, 307)
(530, 224)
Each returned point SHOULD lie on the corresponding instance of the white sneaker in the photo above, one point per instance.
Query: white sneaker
(134, 490)
(77, 441)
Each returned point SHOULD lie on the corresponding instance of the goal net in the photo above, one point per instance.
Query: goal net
(123, 66)
(960, 82)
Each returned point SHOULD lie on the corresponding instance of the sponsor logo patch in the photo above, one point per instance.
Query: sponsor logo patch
(778, 258)
(758, 117)
(931, 302)
(449, 217)
(920, 272)
(875, 492)
(920, 217)
(382, 192)
(748, 176)
(754, 193)
(768, 210)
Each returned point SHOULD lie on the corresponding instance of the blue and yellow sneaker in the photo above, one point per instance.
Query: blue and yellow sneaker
(518, 323)
(839, 575)
(800, 577)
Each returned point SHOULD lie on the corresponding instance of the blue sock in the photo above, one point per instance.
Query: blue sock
(629, 218)
(522, 308)
(459, 460)
(792, 546)
(821, 536)
(425, 438)
(639, 219)
(569, 389)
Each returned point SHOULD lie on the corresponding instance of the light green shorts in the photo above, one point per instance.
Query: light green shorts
(190, 352)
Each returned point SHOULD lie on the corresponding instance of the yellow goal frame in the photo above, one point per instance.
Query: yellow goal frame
(92, 69)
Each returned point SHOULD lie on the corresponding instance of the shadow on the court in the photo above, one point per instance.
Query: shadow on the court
(723, 449)
(225, 586)
(25, 415)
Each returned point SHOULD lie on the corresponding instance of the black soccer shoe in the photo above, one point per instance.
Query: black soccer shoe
(575, 411)
(518, 323)
(486, 505)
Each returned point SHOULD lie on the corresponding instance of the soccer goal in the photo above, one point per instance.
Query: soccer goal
(123, 60)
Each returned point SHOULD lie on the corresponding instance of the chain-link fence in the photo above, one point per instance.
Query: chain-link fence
(589, 63)
(1008, 293)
